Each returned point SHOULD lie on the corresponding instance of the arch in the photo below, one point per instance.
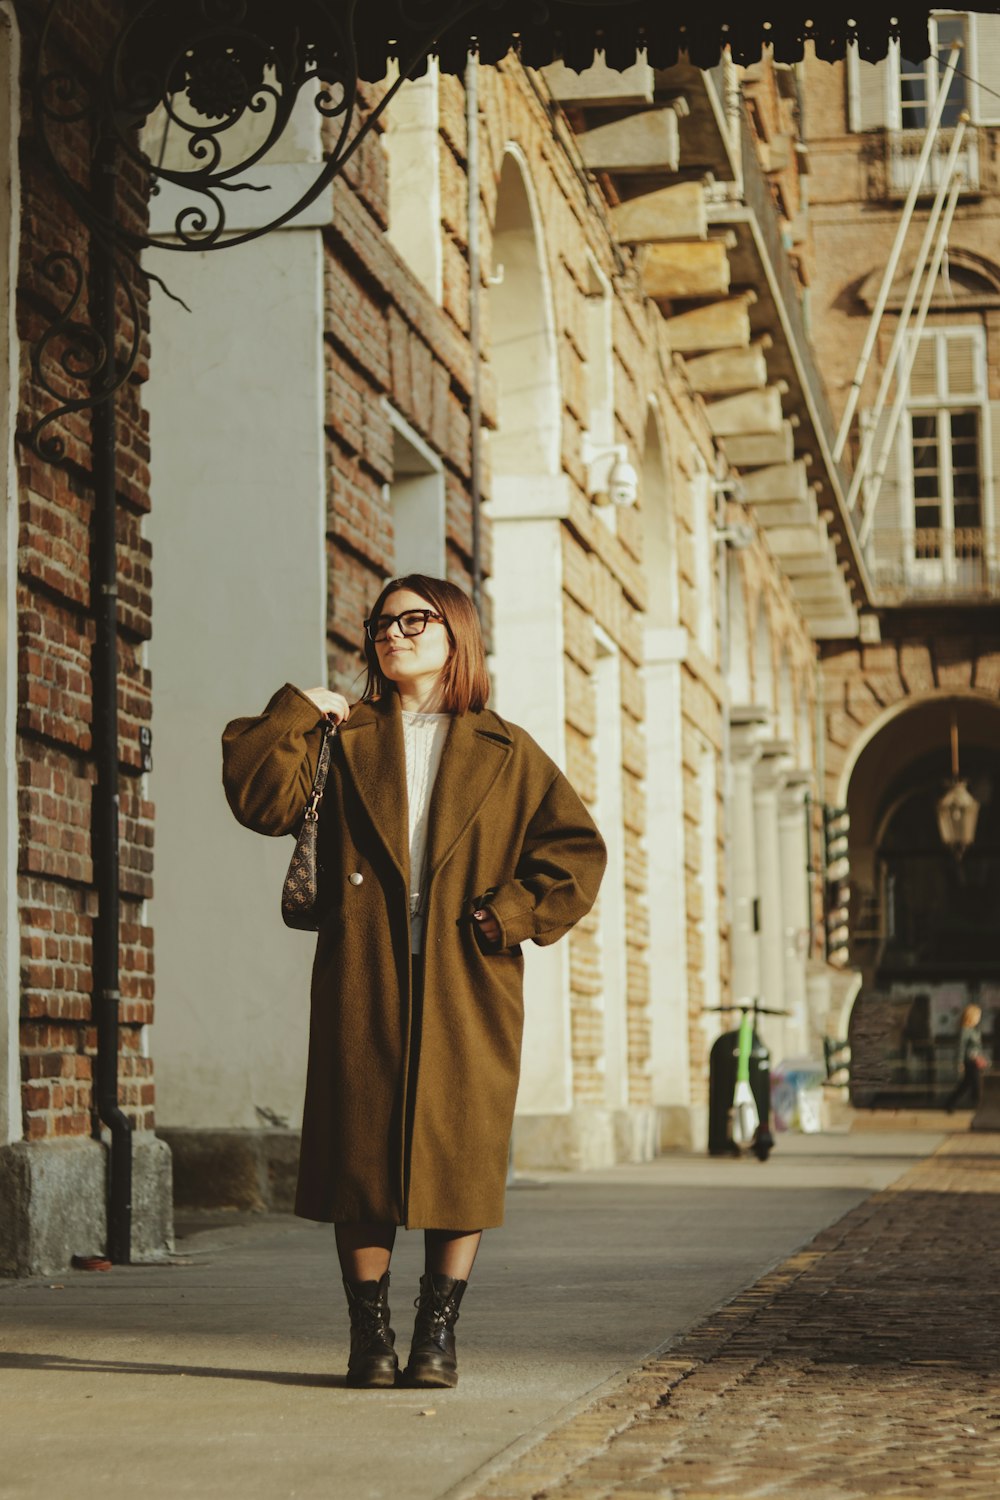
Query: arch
(523, 344)
(924, 925)
(967, 279)
(10, 1082)
(660, 525)
(877, 720)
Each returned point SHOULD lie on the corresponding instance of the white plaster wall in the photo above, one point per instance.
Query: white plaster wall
(236, 410)
(528, 672)
(610, 819)
(412, 145)
(10, 1089)
(670, 1061)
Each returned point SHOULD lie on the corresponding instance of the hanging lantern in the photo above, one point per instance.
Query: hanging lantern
(958, 809)
(957, 815)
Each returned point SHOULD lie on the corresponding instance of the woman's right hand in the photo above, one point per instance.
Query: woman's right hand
(335, 705)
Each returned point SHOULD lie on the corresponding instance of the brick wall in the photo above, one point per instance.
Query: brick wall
(55, 627)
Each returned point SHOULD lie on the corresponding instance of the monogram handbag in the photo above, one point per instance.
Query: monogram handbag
(300, 892)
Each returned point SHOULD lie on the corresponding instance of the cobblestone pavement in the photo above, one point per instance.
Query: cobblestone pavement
(866, 1365)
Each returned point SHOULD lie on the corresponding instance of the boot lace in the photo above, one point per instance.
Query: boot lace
(436, 1310)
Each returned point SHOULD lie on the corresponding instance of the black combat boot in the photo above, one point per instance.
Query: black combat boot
(432, 1354)
(373, 1358)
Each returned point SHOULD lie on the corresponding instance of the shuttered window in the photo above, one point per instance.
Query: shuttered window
(984, 65)
(933, 518)
(899, 94)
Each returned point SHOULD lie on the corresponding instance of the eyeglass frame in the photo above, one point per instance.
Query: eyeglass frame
(428, 614)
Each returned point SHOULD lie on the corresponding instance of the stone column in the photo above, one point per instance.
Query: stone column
(795, 905)
(744, 751)
(769, 774)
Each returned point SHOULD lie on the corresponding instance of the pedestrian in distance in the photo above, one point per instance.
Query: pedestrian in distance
(972, 1059)
(447, 838)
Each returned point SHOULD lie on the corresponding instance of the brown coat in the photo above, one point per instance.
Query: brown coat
(401, 1127)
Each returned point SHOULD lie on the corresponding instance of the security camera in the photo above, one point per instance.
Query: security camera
(623, 483)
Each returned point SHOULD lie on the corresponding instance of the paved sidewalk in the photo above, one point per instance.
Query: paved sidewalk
(221, 1377)
(864, 1365)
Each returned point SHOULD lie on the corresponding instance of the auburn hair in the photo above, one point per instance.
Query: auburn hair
(465, 683)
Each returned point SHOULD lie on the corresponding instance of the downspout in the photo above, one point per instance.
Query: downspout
(475, 394)
(106, 995)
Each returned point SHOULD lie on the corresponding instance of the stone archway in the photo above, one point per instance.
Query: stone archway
(528, 499)
(664, 651)
(925, 928)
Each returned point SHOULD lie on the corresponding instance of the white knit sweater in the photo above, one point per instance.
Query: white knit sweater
(423, 740)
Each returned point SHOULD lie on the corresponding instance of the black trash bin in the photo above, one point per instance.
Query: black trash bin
(721, 1084)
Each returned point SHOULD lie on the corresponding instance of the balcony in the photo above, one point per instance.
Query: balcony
(903, 147)
(934, 565)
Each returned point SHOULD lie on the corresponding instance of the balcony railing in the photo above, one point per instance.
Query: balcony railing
(903, 147)
(930, 563)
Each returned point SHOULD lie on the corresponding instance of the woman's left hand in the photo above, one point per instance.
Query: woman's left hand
(488, 924)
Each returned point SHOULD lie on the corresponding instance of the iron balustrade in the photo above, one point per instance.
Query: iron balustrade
(934, 562)
(903, 147)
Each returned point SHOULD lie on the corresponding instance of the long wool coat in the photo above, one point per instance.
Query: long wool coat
(406, 1123)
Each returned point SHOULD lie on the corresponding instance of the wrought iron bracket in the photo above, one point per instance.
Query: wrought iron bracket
(194, 95)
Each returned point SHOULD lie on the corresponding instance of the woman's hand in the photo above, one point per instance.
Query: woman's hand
(488, 925)
(333, 704)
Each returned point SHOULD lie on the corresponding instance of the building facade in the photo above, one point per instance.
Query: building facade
(924, 670)
(553, 334)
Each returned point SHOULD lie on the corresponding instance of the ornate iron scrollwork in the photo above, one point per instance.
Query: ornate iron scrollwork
(219, 80)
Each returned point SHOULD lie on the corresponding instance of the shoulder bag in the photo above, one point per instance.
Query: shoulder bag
(300, 892)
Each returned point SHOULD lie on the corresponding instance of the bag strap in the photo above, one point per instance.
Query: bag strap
(322, 768)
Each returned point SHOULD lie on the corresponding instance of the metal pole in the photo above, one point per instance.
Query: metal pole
(475, 402)
(106, 996)
(903, 377)
(899, 336)
(854, 393)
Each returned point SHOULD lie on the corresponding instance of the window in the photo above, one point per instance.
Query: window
(417, 499)
(899, 94)
(943, 455)
(919, 83)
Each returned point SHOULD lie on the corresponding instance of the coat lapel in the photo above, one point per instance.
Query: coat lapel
(372, 745)
(471, 761)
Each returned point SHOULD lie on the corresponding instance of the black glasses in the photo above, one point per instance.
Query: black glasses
(411, 622)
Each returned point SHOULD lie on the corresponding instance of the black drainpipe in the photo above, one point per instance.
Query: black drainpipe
(104, 819)
(475, 401)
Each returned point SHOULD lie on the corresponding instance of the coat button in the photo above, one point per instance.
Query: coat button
(356, 877)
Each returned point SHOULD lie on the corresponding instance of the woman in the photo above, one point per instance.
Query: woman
(971, 1059)
(447, 838)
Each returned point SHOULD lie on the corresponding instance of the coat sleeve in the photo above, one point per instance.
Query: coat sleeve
(558, 873)
(268, 762)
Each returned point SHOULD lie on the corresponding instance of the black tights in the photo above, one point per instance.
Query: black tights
(366, 1249)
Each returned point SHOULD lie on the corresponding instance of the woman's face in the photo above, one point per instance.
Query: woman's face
(407, 659)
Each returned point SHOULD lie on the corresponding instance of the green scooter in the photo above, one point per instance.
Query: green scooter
(746, 1128)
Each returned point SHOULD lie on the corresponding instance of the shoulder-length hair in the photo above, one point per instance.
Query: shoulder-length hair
(465, 681)
(971, 1015)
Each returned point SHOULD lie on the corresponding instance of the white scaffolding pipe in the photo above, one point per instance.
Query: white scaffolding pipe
(903, 381)
(933, 123)
(930, 229)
